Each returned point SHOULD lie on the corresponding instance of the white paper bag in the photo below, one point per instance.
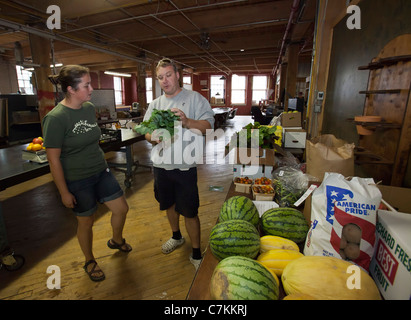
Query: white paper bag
(343, 219)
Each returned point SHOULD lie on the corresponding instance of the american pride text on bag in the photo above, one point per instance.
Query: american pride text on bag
(343, 215)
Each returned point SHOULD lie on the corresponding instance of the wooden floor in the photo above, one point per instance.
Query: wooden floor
(43, 231)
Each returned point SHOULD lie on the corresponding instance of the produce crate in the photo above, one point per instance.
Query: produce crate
(240, 170)
(260, 196)
(291, 119)
(242, 187)
(390, 265)
(261, 156)
(295, 138)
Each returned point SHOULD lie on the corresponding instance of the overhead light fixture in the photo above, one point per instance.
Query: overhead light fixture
(223, 78)
(242, 50)
(118, 74)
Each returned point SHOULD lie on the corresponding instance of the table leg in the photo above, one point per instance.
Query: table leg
(3, 233)
(128, 166)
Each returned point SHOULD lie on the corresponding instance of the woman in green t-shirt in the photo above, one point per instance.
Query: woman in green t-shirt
(77, 164)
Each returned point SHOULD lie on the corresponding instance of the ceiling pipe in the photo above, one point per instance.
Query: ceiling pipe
(148, 15)
(294, 9)
(42, 33)
(210, 55)
(170, 26)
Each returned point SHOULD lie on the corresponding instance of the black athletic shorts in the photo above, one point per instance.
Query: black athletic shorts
(177, 187)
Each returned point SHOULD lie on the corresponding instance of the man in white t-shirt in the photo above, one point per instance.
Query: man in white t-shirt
(175, 175)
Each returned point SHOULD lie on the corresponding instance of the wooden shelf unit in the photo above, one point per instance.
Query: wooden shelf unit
(368, 92)
(384, 154)
(382, 124)
(384, 62)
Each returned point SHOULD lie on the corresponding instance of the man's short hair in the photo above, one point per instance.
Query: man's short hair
(165, 63)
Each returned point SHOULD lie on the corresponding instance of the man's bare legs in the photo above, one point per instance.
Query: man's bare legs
(192, 227)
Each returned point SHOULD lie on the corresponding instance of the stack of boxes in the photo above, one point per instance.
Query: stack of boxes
(252, 164)
(261, 165)
(391, 264)
(293, 134)
(260, 162)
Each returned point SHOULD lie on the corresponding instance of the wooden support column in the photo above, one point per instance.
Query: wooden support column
(328, 17)
(283, 78)
(181, 72)
(292, 69)
(153, 79)
(40, 52)
(141, 85)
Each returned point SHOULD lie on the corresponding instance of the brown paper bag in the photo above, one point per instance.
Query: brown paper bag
(326, 153)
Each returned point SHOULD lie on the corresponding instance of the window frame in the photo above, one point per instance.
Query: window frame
(118, 91)
(188, 82)
(149, 93)
(27, 87)
(217, 88)
(265, 90)
(239, 89)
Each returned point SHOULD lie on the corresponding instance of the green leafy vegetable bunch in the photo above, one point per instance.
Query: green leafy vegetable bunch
(266, 135)
(160, 119)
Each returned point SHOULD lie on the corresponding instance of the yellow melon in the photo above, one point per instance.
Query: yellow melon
(270, 242)
(276, 260)
(328, 278)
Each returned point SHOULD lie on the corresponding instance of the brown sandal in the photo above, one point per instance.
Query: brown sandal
(114, 245)
(92, 273)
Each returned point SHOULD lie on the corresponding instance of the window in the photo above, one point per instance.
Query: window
(149, 90)
(24, 80)
(217, 87)
(118, 90)
(259, 89)
(187, 79)
(238, 88)
(187, 83)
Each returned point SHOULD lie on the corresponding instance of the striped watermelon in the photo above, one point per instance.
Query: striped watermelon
(241, 278)
(288, 223)
(234, 238)
(241, 208)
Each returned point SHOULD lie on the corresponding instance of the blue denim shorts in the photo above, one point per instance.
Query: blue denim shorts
(100, 188)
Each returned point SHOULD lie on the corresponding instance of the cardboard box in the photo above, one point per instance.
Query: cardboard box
(241, 170)
(397, 197)
(292, 119)
(295, 138)
(247, 156)
(391, 264)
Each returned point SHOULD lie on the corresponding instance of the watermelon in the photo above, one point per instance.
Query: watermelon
(241, 208)
(234, 238)
(288, 223)
(241, 278)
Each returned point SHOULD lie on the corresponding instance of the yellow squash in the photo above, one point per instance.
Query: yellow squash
(328, 278)
(274, 242)
(276, 260)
